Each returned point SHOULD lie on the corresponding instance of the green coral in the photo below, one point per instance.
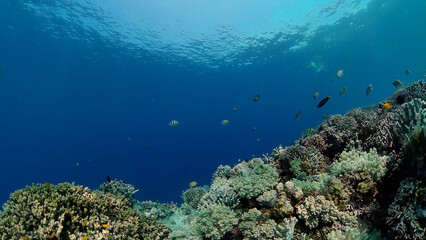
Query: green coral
(213, 222)
(68, 211)
(353, 234)
(354, 162)
(318, 210)
(254, 227)
(253, 178)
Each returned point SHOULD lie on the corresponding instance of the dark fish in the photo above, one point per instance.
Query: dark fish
(323, 102)
(254, 129)
(256, 98)
(397, 83)
(108, 179)
(407, 71)
(343, 91)
(369, 90)
(298, 114)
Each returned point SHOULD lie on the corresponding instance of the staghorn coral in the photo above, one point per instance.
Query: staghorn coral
(213, 222)
(73, 212)
(405, 214)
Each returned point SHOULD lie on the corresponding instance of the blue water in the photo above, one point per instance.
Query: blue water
(88, 87)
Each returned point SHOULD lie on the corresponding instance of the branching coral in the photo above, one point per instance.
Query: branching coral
(73, 212)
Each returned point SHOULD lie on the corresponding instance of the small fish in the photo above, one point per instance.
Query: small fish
(26, 238)
(105, 225)
(309, 132)
(66, 212)
(224, 122)
(174, 123)
(258, 139)
(146, 146)
(193, 184)
(254, 129)
(77, 164)
(316, 94)
(52, 235)
(323, 102)
(325, 116)
(129, 139)
(85, 223)
(343, 91)
(234, 109)
(397, 83)
(298, 115)
(256, 98)
(407, 71)
(85, 238)
(340, 73)
(387, 105)
(369, 90)
(48, 185)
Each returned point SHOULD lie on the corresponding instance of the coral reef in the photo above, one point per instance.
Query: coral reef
(119, 188)
(67, 211)
(337, 183)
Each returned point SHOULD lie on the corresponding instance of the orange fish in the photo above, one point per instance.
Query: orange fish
(52, 235)
(387, 105)
(85, 223)
(48, 185)
(85, 238)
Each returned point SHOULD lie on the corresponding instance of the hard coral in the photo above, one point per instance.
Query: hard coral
(68, 211)
(405, 213)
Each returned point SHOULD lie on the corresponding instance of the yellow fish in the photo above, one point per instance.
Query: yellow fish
(193, 184)
(105, 225)
(387, 105)
(85, 223)
(26, 238)
(85, 238)
(48, 185)
(52, 235)
(224, 122)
